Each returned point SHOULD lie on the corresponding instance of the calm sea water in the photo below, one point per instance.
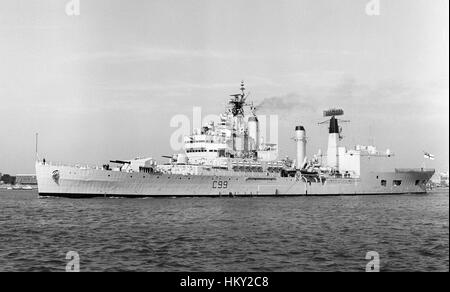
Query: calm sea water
(410, 233)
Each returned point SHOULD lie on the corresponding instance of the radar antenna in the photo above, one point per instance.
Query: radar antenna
(334, 122)
(238, 101)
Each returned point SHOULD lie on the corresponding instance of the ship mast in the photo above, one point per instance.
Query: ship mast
(36, 146)
(237, 102)
(334, 136)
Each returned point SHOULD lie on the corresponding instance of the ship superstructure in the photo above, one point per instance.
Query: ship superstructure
(233, 144)
(230, 158)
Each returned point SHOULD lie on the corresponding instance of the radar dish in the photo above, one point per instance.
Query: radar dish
(333, 112)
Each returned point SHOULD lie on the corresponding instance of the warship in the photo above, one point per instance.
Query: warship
(230, 158)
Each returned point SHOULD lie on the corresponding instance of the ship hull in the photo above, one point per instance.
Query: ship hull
(76, 182)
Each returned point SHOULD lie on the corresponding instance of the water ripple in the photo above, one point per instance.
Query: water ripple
(234, 234)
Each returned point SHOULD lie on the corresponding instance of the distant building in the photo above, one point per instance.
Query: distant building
(440, 179)
(26, 179)
(436, 179)
(444, 179)
(8, 179)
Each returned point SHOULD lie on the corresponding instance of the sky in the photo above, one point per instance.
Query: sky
(106, 83)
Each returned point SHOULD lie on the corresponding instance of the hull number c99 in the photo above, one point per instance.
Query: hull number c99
(219, 184)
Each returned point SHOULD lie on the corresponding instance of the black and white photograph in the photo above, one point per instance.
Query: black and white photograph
(224, 143)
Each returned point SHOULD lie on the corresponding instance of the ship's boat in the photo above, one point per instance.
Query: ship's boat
(231, 158)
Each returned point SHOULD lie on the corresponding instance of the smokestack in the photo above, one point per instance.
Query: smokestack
(333, 144)
(300, 138)
(253, 133)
